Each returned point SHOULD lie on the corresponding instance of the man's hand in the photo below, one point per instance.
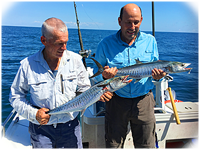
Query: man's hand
(42, 117)
(109, 72)
(106, 96)
(157, 74)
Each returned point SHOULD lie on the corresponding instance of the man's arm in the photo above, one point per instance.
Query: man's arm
(82, 75)
(17, 97)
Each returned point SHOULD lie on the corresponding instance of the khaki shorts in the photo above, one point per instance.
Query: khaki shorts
(139, 111)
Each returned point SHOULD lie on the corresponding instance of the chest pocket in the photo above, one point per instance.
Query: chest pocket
(147, 56)
(39, 88)
(70, 82)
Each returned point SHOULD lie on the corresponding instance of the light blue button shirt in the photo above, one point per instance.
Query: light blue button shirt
(35, 76)
(113, 52)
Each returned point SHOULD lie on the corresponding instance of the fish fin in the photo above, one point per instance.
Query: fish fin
(138, 62)
(104, 83)
(71, 116)
(100, 67)
(96, 74)
(137, 80)
(82, 112)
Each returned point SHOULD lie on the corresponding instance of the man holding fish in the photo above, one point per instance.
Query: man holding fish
(134, 103)
(53, 75)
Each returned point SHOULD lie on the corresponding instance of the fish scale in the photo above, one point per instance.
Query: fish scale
(92, 95)
(81, 101)
(141, 70)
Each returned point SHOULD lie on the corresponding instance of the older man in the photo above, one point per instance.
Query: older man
(134, 103)
(43, 75)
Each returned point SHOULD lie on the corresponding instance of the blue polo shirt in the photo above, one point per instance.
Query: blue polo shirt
(113, 52)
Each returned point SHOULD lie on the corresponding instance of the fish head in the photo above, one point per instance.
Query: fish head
(176, 67)
(118, 82)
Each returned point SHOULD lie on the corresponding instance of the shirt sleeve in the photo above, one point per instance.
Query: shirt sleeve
(83, 81)
(18, 94)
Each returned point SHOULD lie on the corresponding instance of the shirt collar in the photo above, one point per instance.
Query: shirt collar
(40, 58)
(39, 55)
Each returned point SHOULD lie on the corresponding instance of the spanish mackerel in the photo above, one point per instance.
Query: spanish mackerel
(141, 70)
(92, 95)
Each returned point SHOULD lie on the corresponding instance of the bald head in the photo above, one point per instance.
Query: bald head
(52, 24)
(130, 8)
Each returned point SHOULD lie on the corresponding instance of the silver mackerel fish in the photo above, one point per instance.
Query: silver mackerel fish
(92, 95)
(141, 70)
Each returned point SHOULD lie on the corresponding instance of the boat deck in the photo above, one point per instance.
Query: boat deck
(17, 135)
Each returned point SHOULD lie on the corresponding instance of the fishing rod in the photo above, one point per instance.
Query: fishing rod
(82, 52)
(153, 24)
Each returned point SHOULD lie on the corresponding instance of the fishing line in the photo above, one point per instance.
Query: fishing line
(90, 17)
(100, 38)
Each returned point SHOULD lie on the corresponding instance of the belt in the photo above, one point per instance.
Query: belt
(36, 106)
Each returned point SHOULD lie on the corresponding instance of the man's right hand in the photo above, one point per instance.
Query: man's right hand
(109, 72)
(42, 117)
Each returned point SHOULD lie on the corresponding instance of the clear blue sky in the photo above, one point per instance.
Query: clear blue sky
(169, 16)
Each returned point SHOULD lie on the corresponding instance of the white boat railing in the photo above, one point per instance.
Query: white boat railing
(6, 121)
(161, 86)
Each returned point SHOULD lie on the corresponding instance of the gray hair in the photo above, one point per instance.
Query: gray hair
(52, 24)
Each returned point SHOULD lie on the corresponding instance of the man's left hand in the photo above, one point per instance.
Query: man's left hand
(157, 74)
(106, 96)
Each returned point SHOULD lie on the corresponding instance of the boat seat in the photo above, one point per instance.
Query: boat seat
(184, 107)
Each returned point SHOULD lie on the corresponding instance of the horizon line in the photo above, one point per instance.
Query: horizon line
(99, 29)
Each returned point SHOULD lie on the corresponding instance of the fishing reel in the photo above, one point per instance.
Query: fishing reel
(85, 53)
(169, 78)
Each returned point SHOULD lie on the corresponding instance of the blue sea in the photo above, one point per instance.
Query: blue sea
(21, 42)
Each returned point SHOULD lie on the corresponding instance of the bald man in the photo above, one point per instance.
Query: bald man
(43, 75)
(134, 103)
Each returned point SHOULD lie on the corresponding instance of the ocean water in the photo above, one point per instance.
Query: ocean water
(21, 42)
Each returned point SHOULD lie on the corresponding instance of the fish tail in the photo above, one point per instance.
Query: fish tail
(100, 67)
